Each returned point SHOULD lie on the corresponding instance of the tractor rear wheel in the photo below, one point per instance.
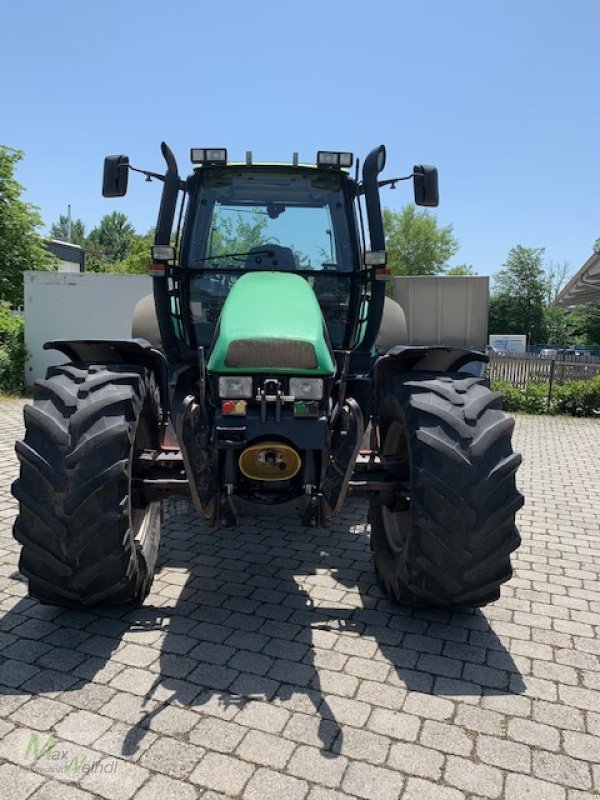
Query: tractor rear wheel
(446, 541)
(87, 535)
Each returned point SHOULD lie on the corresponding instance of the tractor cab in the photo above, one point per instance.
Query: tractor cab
(252, 218)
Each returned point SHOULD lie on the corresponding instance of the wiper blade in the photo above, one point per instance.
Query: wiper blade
(265, 252)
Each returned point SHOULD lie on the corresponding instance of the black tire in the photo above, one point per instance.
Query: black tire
(446, 542)
(87, 537)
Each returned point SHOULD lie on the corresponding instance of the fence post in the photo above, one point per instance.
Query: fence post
(552, 367)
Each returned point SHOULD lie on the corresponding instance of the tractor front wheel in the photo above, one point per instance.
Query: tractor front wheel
(88, 536)
(446, 541)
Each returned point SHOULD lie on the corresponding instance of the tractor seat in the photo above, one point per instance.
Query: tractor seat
(270, 256)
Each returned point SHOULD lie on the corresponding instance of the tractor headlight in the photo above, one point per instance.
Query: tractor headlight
(233, 386)
(306, 388)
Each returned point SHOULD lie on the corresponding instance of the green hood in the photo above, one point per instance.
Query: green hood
(271, 322)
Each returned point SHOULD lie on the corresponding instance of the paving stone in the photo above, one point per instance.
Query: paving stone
(262, 716)
(266, 784)
(534, 733)
(222, 773)
(121, 784)
(424, 705)
(265, 749)
(419, 789)
(15, 673)
(474, 778)
(562, 770)
(82, 726)
(317, 767)
(362, 745)
(522, 787)
(52, 790)
(372, 783)
(217, 734)
(510, 756)
(344, 710)
(447, 738)
(160, 787)
(40, 713)
(416, 760)
(474, 718)
(125, 740)
(16, 783)
(559, 716)
(172, 757)
(172, 721)
(395, 724)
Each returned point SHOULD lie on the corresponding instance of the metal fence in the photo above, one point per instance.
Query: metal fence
(519, 369)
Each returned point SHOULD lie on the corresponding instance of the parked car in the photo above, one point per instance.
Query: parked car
(548, 352)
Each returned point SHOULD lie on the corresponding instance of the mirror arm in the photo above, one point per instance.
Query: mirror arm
(149, 175)
(391, 182)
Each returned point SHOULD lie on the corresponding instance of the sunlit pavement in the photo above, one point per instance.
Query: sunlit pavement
(266, 663)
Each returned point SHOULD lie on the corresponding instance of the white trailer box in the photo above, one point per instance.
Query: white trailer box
(72, 305)
(445, 310)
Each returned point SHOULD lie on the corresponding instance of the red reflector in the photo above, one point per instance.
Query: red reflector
(156, 270)
(382, 274)
(228, 407)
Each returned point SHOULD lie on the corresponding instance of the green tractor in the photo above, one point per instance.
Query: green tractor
(266, 376)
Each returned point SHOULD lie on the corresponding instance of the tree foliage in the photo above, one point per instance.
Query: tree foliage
(415, 244)
(518, 299)
(21, 246)
(136, 263)
(461, 269)
(584, 324)
(237, 235)
(60, 230)
(110, 242)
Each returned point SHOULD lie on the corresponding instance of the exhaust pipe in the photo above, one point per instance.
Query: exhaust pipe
(270, 461)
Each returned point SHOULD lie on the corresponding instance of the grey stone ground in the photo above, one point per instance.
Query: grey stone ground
(267, 665)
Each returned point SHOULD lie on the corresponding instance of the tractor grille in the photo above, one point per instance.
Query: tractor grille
(272, 353)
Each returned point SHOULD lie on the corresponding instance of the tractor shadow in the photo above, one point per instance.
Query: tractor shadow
(269, 612)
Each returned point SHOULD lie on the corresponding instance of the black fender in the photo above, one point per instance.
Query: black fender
(423, 358)
(119, 351)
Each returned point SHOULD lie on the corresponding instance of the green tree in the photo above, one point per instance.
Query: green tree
(584, 324)
(139, 257)
(461, 269)
(500, 311)
(60, 230)
(556, 320)
(415, 244)
(110, 242)
(520, 293)
(21, 246)
(237, 234)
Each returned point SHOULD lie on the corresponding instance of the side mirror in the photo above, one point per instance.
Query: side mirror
(426, 185)
(116, 174)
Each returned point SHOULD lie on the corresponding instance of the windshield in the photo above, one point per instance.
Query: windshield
(297, 217)
(274, 220)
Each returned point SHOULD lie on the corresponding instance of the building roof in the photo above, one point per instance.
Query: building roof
(584, 287)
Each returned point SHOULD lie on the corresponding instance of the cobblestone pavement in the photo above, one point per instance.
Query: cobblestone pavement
(267, 665)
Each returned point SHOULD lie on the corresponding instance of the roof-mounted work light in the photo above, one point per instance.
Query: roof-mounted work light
(328, 158)
(206, 155)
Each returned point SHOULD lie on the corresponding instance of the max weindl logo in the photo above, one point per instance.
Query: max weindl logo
(50, 755)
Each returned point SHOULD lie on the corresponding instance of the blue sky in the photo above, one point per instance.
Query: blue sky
(501, 95)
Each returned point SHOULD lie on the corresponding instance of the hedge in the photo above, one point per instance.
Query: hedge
(12, 351)
(576, 398)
